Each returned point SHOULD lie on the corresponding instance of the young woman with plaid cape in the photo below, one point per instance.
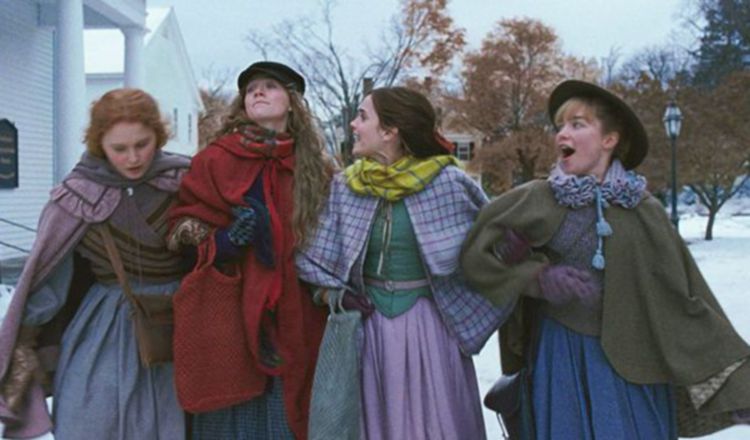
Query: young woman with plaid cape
(391, 232)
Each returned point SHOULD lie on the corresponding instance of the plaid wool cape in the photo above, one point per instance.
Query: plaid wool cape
(441, 214)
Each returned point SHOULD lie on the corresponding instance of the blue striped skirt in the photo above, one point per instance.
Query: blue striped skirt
(261, 418)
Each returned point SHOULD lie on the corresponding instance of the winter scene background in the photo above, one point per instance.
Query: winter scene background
(657, 52)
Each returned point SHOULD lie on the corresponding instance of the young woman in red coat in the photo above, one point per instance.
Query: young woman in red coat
(253, 196)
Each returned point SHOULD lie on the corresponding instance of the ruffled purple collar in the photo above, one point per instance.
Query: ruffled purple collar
(620, 187)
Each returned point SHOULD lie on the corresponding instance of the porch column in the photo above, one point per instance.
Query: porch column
(134, 75)
(70, 87)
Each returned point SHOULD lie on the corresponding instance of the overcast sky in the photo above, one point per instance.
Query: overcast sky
(215, 34)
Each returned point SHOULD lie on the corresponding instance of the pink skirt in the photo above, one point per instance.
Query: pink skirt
(416, 384)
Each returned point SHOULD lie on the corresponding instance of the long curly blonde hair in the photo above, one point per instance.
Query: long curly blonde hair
(313, 167)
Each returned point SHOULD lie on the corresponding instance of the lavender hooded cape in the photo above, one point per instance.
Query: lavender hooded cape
(88, 195)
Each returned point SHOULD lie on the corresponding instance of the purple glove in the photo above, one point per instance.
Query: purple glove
(352, 301)
(560, 284)
(513, 249)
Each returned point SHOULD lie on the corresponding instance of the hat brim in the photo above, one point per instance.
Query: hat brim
(280, 72)
(634, 129)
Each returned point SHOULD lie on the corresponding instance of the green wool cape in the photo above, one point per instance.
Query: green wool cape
(660, 322)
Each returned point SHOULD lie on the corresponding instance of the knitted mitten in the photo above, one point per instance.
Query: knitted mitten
(262, 240)
(513, 249)
(561, 283)
(242, 230)
(352, 301)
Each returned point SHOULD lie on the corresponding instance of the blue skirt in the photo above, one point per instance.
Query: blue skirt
(261, 418)
(101, 389)
(576, 394)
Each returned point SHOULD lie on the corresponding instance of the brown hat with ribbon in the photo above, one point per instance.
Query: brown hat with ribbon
(634, 132)
(280, 72)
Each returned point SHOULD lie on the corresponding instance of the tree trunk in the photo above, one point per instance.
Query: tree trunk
(527, 168)
(712, 211)
(346, 147)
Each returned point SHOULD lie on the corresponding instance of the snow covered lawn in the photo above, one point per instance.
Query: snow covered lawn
(724, 262)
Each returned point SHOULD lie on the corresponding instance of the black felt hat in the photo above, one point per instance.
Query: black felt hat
(634, 130)
(280, 72)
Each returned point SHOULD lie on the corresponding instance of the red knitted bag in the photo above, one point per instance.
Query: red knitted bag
(212, 362)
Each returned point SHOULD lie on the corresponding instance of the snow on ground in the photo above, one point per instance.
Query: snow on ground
(6, 292)
(724, 262)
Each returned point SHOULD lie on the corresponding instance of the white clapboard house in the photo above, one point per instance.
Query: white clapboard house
(169, 76)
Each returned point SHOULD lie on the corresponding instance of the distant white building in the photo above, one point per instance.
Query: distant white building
(168, 75)
(43, 97)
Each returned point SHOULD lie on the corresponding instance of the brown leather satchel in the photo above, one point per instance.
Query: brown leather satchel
(24, 366)
(153, 317)
(510, 397)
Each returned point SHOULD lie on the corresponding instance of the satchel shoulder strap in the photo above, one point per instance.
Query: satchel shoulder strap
(114, 258)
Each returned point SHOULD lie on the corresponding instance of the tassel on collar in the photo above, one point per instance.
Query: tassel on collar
(620, 187)
(603, 229)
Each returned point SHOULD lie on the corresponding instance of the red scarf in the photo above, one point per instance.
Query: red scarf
(274, 301)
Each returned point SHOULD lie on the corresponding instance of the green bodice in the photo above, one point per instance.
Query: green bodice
(393, 254)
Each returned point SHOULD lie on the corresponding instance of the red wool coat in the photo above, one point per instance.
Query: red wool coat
(219, 177)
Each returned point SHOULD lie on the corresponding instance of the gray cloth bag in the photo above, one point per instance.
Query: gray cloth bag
(335, 404)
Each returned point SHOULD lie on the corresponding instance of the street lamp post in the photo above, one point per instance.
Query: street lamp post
(672, 124)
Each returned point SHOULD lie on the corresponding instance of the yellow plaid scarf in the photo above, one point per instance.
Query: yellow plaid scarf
(406, 176)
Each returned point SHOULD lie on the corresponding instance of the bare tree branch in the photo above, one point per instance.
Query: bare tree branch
(424, 37)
